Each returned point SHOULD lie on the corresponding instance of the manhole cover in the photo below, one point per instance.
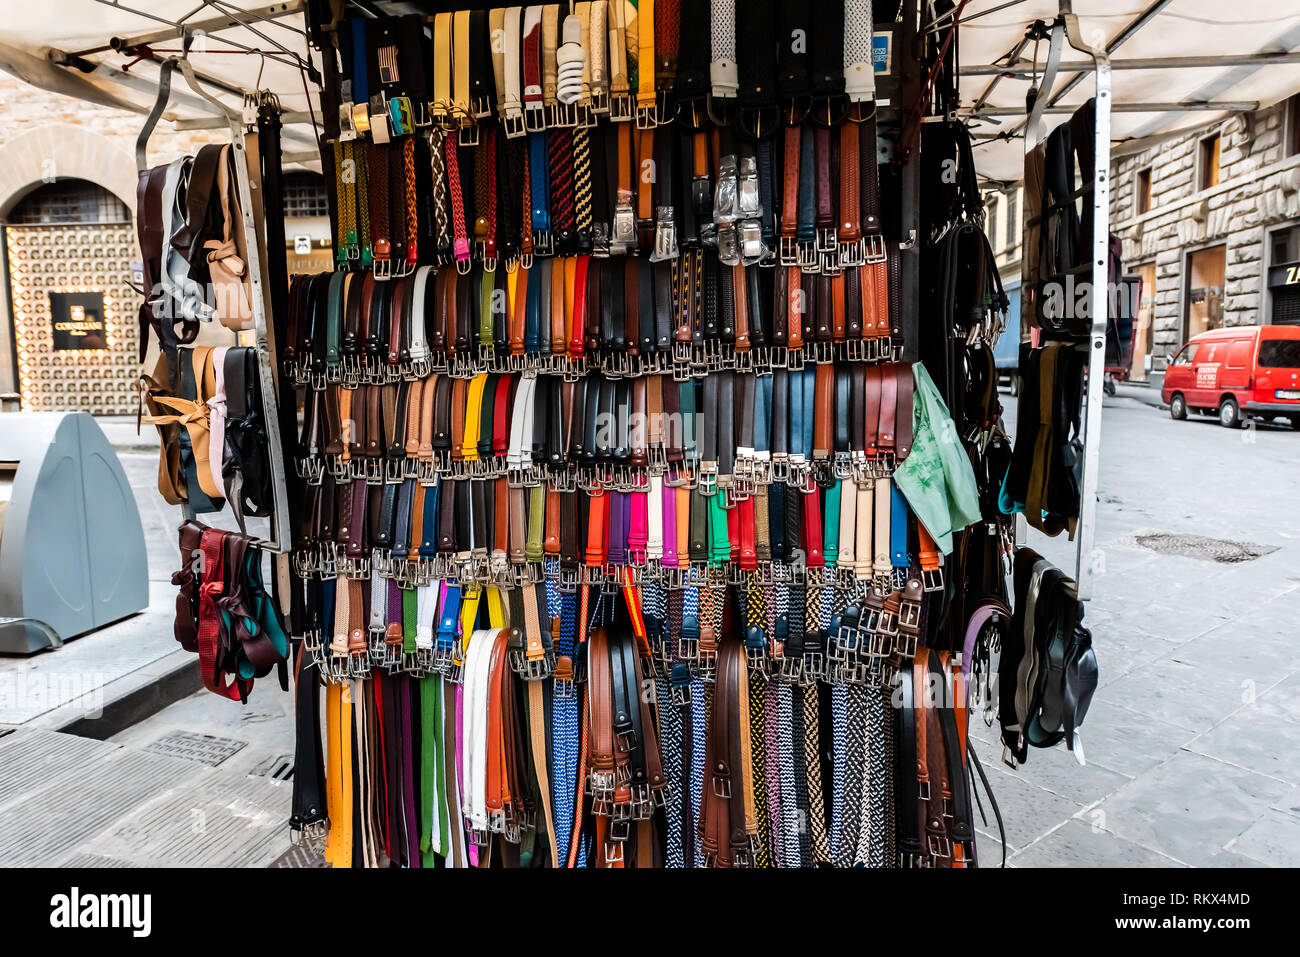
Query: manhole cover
(1206, 549)
(276, 768)
(204, 748)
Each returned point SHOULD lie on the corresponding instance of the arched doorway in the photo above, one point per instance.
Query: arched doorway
(68, 248)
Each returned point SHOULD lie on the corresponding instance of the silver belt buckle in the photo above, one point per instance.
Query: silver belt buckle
(647, 115)
(851, 253)
(620, 108)
(514, 123)
(808, 258)
(534, 116)
(665, 245)
(624, 233)
(789, 251)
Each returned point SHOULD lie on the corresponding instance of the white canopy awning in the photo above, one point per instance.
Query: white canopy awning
(88, 48)
(108, 51)
(1212, 66)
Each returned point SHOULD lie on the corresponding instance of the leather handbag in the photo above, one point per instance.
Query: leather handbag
(1048, 671)
(223, 611)
(227, 257)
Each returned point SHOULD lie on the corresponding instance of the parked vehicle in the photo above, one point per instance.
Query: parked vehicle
(1237, 373)
(1006, 351)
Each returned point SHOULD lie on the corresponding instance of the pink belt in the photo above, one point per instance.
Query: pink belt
(670, 526)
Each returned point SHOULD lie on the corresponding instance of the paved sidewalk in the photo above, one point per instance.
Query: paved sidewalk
(1192, 741)
(1193, 738)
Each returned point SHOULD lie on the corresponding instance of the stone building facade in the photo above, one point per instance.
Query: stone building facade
(1210, 221)
(67, 204)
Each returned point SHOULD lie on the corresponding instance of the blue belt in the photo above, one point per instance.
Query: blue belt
(899, 517)
(429, 528)
(566, 731)
(539, 182)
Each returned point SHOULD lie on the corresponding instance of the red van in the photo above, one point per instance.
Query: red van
(1237, 373)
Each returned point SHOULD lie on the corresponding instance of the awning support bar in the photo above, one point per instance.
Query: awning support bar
(1085, 563)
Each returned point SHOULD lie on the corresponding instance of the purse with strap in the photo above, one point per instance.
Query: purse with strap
(227, 257)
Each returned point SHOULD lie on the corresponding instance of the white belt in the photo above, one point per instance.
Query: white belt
(514, 104)
(724, 77)
(848, 524)
(859, 70)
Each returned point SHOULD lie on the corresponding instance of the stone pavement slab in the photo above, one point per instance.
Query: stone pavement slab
(70, 801)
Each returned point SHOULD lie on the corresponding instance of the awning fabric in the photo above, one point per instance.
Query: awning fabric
(1168, 28)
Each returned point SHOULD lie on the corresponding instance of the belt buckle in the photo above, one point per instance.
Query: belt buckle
(534, 117)
(851, 253)
(656, 459)
(609, 578)
(707, 478)
(939, 845)
(562, 480)
(794, 359)
(326, 561)
(565, 115)
(827, 241)
(807, 256)
(304, 563)
(789, 251)
(932, 579)
(665, 244)
(855, 350)
(873, 248)
(905, 643)
(569, 578)
(830, 262)
(599, 100)
(415, 663)
(514, 123)
(790, 669)
(620, 108)
(623, 236)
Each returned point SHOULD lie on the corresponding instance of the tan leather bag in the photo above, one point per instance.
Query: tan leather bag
(155, 392)
(228, 258)
(169, 410)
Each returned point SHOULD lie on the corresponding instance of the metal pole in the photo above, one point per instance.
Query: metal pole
(1226, 106)
(1087, 526)
(282, 537)
(1023, 69)
(212, 25)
